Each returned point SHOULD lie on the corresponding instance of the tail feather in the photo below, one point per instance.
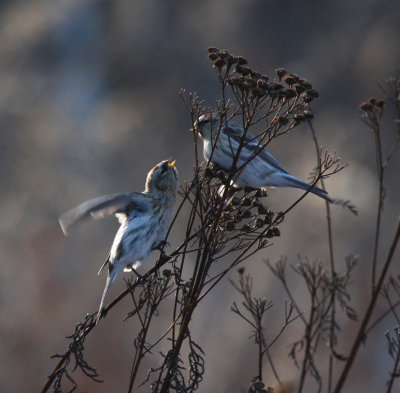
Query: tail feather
(286, 180)
(112, 276)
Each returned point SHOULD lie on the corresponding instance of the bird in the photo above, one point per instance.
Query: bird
(256, 167)
(144, 219)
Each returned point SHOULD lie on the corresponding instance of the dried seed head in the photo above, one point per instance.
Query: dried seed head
(233, 81)
(246, 214)
(262, 84)
(299, 88)
(219, 62)
(232, 190)
(242, 60)
(299, 117)
(289, 93)
(261, 193)
(280, 72)
(230, 60)
(229, 208)
(241, 270)
(235, 202)
(313, 93)
(258, 385)
(246, 202)
(212, 56)
(305, 83)
(245, 228)
(229, 226)
(366, 106)
(246, 71)
(251, 82)
(243, 86)
(308, 114)
(259, 223)
(380, 103)
(269, 217)
(239, 69)
(276, 86)
(269, 234)
(237, 218)
(276, 231)
(224, 54)
(290, 80)
(257, 92)
(307, 98)
(226, 216)
(255, 74)
(372, 100)
(282, 120)
(212, 49)
(262, 209)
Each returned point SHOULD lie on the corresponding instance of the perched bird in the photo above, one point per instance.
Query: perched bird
(256, 167)
(144, 219)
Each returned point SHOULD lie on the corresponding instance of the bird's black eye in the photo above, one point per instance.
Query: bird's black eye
(204, 121)
(164, 166)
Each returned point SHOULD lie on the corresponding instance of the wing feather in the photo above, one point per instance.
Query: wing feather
(252, 144)
(105, 206)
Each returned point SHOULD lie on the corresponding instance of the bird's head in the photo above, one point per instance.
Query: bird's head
(207, 125)
(163, 179)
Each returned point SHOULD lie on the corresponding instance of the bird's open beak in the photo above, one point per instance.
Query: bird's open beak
(171, 165)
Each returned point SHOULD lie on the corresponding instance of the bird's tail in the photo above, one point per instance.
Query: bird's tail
(286, 180)
(112, 276)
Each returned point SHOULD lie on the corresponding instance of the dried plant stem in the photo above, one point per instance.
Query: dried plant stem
(381, 196)
(332, 262)
(394, 372)
(364, 323)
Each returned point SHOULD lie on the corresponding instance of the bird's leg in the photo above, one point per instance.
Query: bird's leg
(160, 246)
(130, 268)
(139, 276)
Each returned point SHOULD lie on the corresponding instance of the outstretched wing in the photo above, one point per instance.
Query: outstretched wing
(105, 206)
(252, 144)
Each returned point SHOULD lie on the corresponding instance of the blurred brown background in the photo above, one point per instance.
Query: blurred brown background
(89, 103)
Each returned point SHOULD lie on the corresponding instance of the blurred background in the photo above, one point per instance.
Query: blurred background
(89, 103)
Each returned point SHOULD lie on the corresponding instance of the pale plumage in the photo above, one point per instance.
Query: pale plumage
(256, 167)
(144, 219)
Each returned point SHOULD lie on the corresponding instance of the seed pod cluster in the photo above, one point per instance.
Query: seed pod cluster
(253, 85)
(372, 111)
(372, 105)
(244, 213)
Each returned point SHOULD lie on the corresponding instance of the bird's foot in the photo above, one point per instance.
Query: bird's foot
(160, 246)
